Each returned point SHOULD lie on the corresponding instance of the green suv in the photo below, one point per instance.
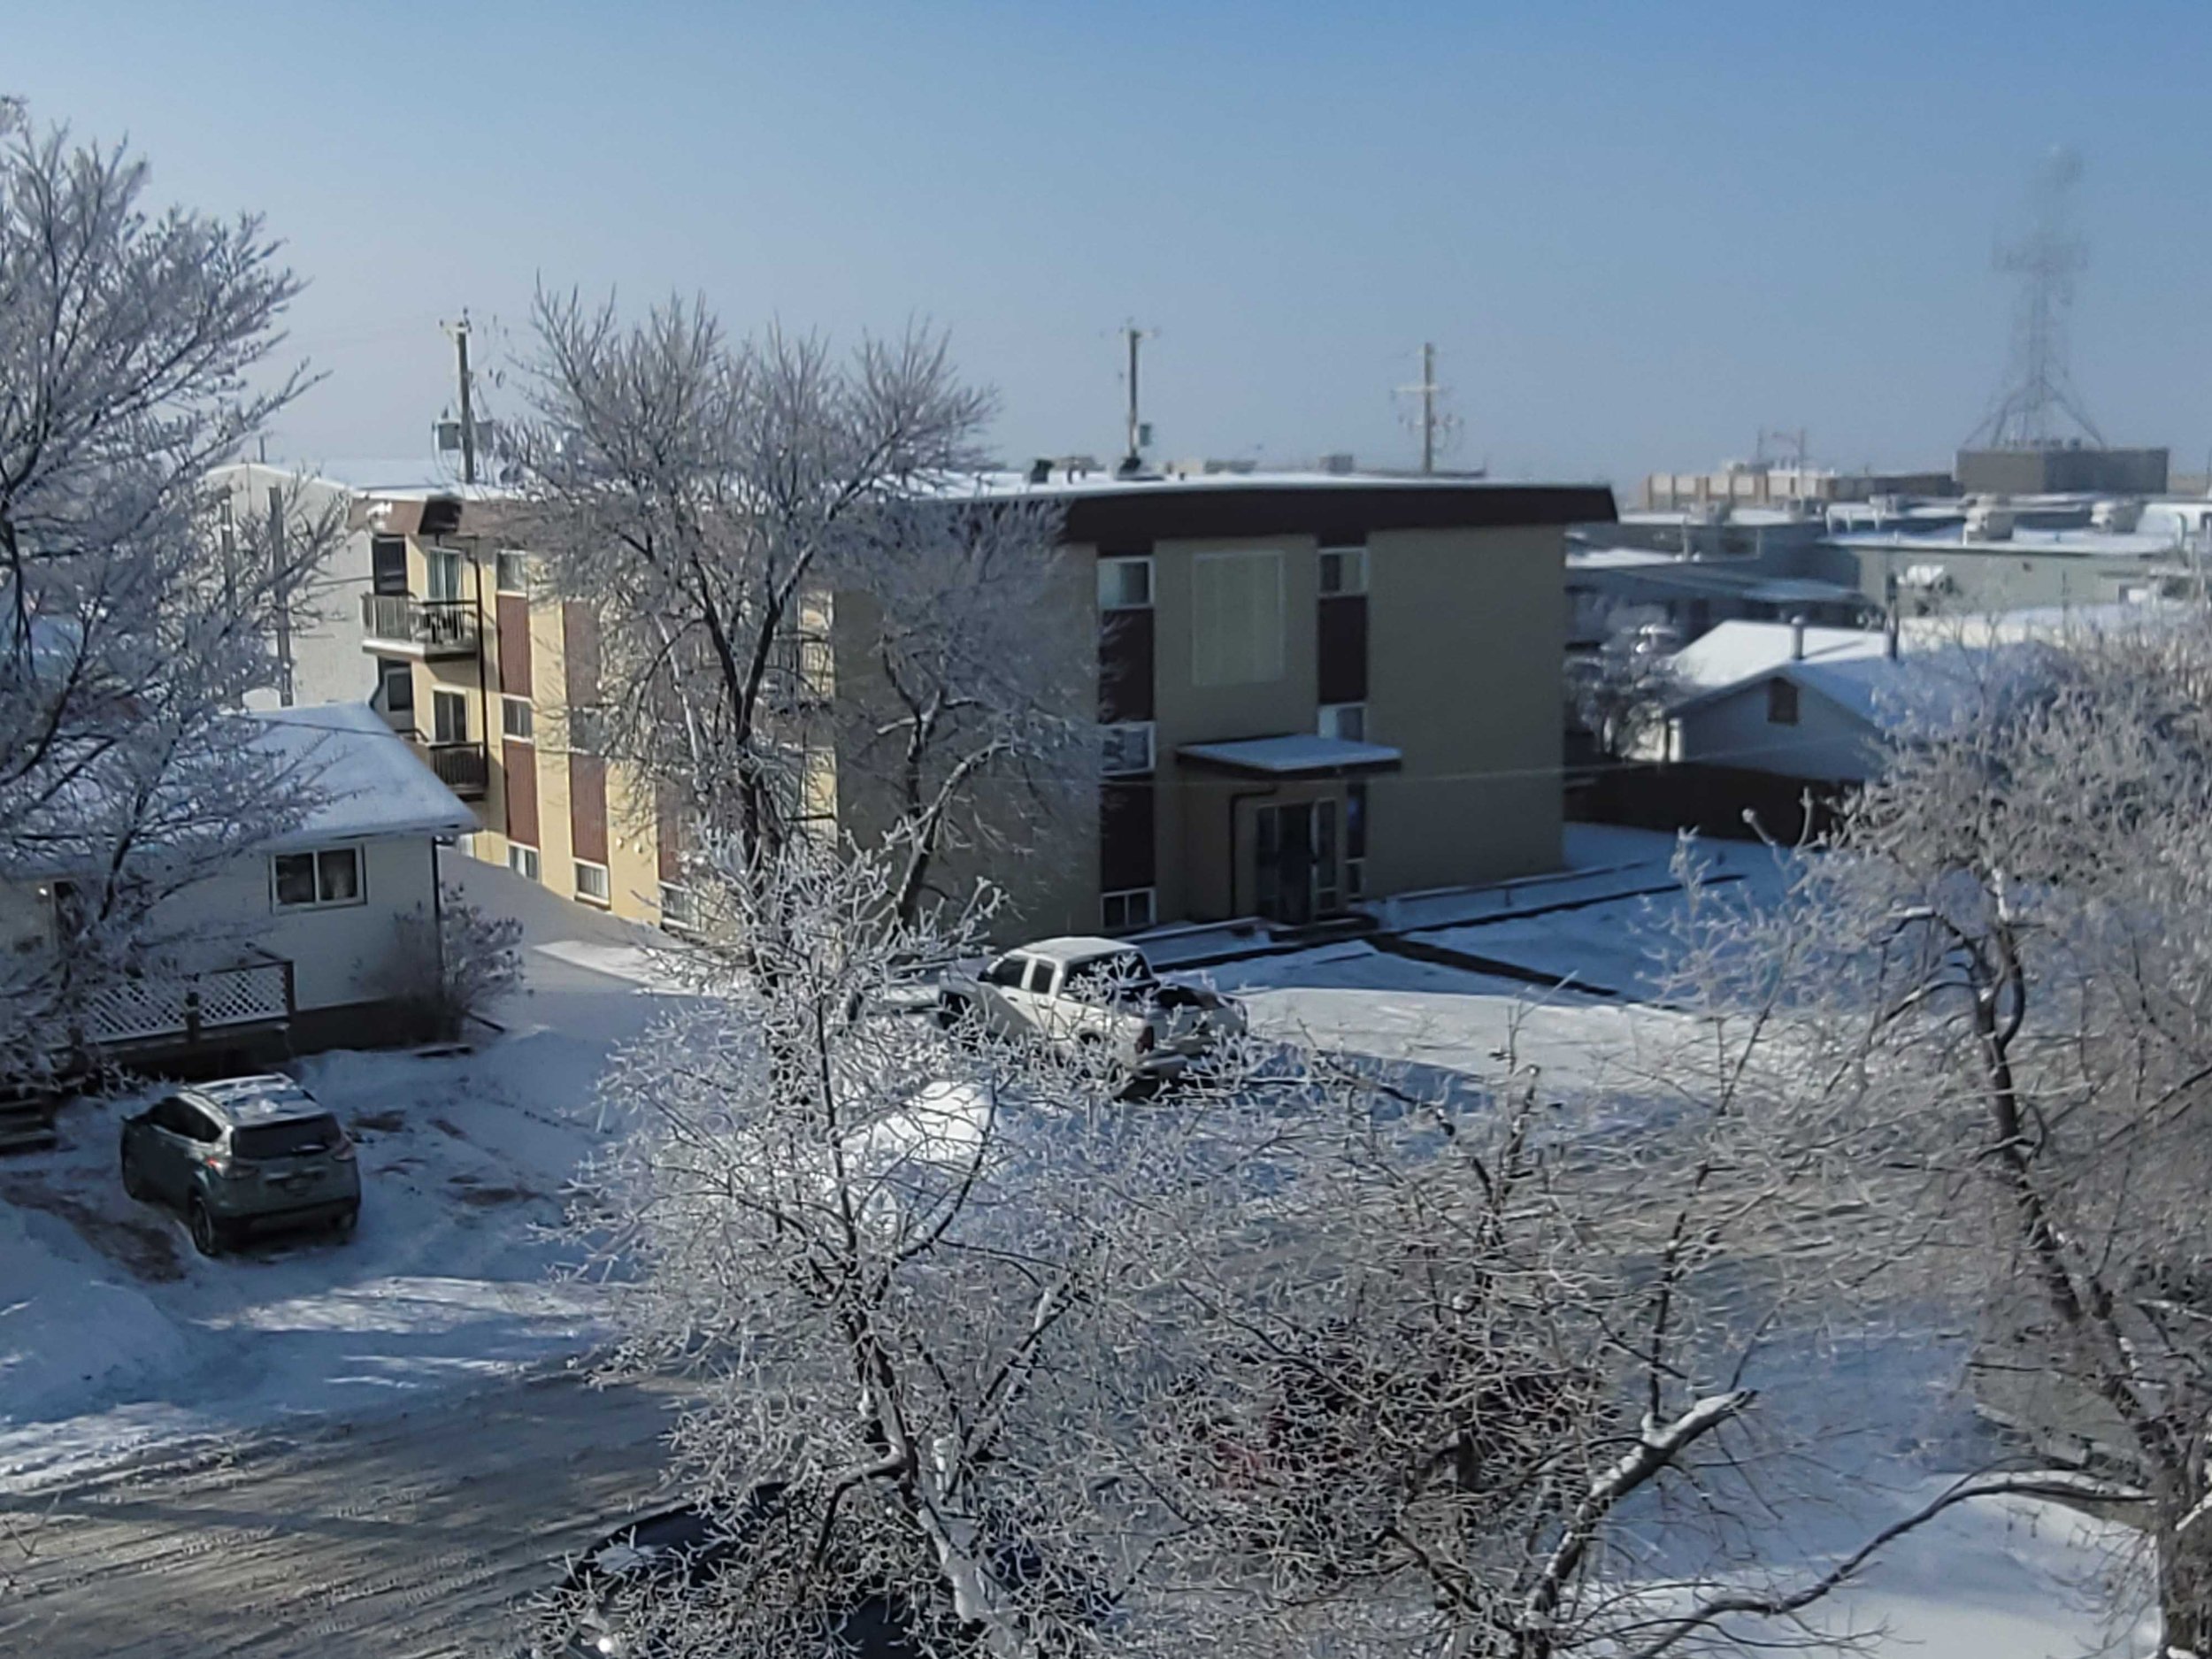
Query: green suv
(246, 1155)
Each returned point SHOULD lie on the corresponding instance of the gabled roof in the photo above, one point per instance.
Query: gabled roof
(373, 785)
(1736, 651)
(1927, 685)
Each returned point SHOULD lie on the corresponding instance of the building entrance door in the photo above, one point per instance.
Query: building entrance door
(1297, 868)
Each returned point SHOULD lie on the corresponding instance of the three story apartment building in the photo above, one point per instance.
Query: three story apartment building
(1311, 690)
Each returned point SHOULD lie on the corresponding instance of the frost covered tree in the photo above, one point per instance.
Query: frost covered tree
(709, 501)
(1621, 692)
(1993, 1009)
(134, 348)
(1309, 1354)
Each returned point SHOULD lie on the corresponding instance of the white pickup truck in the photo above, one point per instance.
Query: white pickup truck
(1084, 994)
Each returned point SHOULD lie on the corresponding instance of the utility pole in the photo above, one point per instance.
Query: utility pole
(1428, 391)
(283, 596)
(1138, 432)
(460, 333)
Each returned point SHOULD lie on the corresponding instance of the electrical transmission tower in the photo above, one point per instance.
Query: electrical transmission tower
(2039, 385)
(1435, 427)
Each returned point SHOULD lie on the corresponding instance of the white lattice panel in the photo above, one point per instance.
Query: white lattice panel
(135, 1009)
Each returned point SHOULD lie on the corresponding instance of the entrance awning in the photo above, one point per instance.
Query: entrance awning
(1299, 754)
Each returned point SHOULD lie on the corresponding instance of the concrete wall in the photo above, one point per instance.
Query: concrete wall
(1465, 640)
(1828, 743)
(2063, 471)
(1995, 577)
(328, 664)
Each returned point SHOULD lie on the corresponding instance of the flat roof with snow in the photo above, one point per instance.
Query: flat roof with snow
(1300, 754)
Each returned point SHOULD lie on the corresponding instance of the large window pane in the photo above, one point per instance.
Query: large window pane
(339, 873)
(1237, 617)
(296, 879)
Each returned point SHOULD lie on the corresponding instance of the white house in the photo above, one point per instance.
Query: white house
(320, 938)
(1816, 704)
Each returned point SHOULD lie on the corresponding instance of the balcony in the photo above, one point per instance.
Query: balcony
(398, 624)
(181, 1010)
(462, 767)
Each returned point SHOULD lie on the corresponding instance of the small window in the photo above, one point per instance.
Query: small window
(394, 686)
(678, 913)
(516, 720)
(1040, 973)
(387, 564)
(522, 860)
(1343, 570)
(1345, 721)
(512, 572)
(1127, 911)
(591, 882)
(314, 880)
(1128, 748)
(1125, 584)
(1781, 702)
(1007, 972)
(449, 717)
(180, 1116)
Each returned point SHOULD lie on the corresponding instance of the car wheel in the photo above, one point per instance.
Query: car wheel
(343, 1223)
(135, 1183)
(207, 1233)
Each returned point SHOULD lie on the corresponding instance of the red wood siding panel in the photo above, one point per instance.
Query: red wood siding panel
(1341, 649)
(587, 807)
(519, 767)
(514, 645)
(579, 654)
(1125, 665)
(668, 834)
(1126, 855)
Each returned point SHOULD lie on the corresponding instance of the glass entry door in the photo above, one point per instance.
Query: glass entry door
(1298, 868)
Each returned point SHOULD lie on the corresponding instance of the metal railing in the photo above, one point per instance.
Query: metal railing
(185, 1006)
(435, 627)
(462, 768)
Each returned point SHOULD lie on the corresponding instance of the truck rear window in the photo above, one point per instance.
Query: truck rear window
(298, 1138)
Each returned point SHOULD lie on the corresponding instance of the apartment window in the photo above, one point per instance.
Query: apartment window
(443, 564)
(1125, 584)
(1781, 702)
(1128, 748)
(591, 882)
(387, 564)
(322, 879)
(512, 572)
(676, 911)
(517, 719)
(1343, 570)
(449, 717)
(1127, 911)
(522, 860)
(394, 686)
(1237, 617)
(1346, 720)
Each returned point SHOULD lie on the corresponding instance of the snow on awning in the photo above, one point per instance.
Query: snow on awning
(1299, 754)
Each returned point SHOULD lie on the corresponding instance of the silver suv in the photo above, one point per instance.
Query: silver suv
(245, 1154)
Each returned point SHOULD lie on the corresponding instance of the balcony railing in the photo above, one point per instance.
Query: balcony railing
(462, 767)
(421, 627)
(170, 1008)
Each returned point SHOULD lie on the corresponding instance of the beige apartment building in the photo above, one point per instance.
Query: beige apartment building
(1312, 691)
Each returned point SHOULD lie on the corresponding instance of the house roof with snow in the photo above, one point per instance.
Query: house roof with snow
(372, 785)
(1932, 681)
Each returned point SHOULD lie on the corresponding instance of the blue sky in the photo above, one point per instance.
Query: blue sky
(1637, 233)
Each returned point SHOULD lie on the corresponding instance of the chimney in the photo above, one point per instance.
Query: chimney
(1797, 639)
(1040, 471)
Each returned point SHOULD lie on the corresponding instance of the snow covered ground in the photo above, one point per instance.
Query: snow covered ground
(115, 1334)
